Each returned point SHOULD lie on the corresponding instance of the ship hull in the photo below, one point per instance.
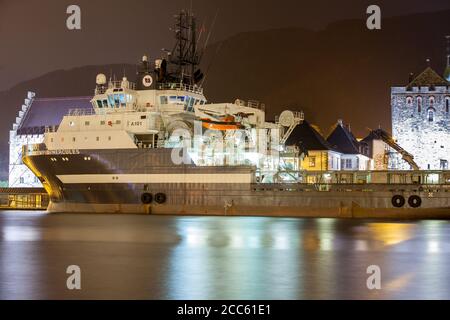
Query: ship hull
(114, 181)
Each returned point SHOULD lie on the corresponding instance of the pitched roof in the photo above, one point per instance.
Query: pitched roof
(343, 140)
(428, 77)
(308, 137)
(49, 112)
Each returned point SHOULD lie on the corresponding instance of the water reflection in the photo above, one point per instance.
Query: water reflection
(220, 257)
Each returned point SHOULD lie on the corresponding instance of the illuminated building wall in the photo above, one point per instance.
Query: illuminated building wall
(421, 120)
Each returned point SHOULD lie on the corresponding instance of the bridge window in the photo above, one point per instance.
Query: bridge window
(123, 103)
(105, 103)
(99, 103)
(163, 99)
(111, 100)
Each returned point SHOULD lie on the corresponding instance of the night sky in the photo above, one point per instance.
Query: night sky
(34, 39)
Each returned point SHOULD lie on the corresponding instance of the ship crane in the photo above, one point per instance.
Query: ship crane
(289, 119)
(387, 138)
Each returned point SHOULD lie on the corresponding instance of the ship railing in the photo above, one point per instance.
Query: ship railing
(352, 187)
(81, 112)
(180, 86)
(116, 84)
(51, 129)
(299, 116)
(251, 104)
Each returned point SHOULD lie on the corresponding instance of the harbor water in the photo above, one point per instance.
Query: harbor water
(182, 257)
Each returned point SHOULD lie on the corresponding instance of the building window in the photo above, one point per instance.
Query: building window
(21, 180)
(312, 161)
(419, 104)
(431, 102)
(348, 163)
(409, 101)
(430, 115)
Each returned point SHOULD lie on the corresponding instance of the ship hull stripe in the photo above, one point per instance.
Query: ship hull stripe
(156, 178)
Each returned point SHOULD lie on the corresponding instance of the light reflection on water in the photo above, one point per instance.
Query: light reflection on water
(132, 256)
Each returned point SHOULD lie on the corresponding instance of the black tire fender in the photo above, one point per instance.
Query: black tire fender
(160, 198)
(414, 201)
(146, 198)
(398, 201)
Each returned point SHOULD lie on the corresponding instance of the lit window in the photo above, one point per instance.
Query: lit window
(312, 161)
(348, 163)
(111, 100)
(122, 100)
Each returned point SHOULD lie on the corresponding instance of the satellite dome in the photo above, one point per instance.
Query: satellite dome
(100, 79)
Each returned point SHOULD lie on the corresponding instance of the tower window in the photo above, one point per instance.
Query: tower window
(447, 104)
(409, 101)
(430, 115)
(431, 102)
(419, 104)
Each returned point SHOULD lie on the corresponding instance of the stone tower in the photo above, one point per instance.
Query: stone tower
(421, 118)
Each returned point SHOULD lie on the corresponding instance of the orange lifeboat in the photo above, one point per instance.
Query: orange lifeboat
(222, 124)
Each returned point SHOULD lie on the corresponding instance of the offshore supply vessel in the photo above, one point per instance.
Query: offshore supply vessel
(157, 146)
